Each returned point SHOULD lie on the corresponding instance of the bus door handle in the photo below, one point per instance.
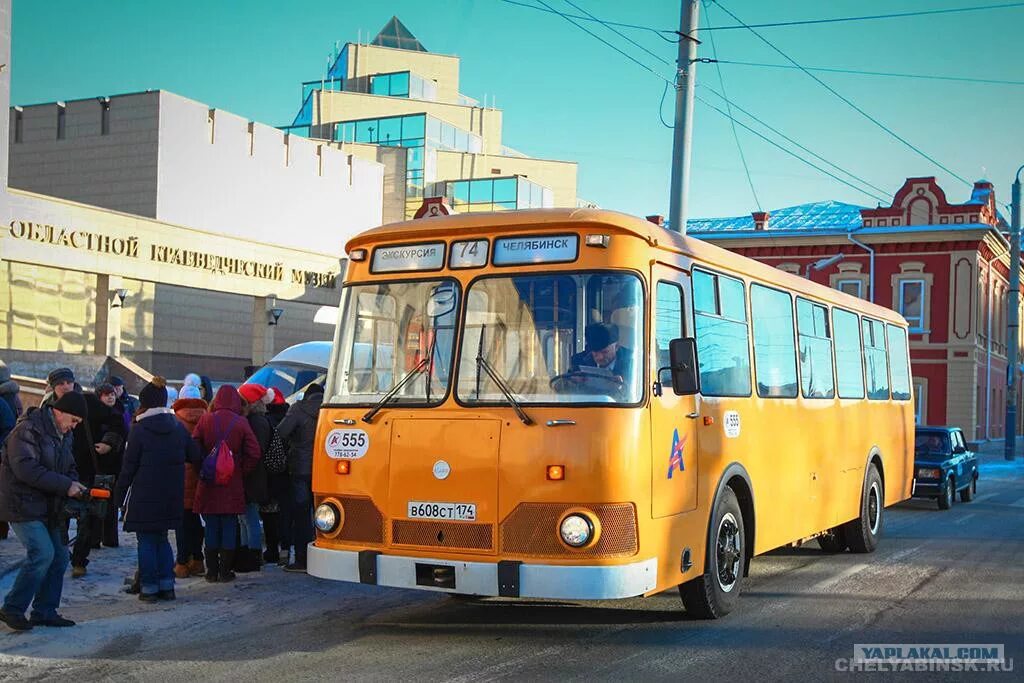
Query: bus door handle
(693, 416)
(345, 421)
(561, 423)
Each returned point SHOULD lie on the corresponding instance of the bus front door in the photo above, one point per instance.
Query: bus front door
(673, 418)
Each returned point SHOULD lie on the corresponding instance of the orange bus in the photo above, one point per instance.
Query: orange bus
(579, 404)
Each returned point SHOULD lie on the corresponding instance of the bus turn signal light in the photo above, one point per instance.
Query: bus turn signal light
(343, 466)
(708, 420)
(556, 472)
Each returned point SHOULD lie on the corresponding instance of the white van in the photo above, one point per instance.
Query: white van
(295, 368)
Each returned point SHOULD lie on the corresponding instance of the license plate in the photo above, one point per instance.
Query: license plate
(460, 512)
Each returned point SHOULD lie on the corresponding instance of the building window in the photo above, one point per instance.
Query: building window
(920, 401)
(18, 123)
(771, 312)
(911, 303)
(851, 287)
(61, 124)
(105, 116)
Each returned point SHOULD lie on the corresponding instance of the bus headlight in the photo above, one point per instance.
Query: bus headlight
(326, 518)
(576, 530)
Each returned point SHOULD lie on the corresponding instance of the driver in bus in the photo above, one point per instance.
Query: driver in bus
(603, 351)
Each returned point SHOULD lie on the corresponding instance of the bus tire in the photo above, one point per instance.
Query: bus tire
(863, 533)
(833, 540)
(716, 592)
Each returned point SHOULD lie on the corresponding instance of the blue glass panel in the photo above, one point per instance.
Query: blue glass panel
(447, 135)
(380, 85)
(505, 190)
(481, 191)
(413, 126)
(366, 131)
(460, 191)
(305, 115)
(340, 67)
(414, 159)
(390, 130)
(400, 84)
(308, 88)
(504, 206)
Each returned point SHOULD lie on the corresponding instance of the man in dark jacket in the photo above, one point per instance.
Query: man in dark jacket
(62, 382)
(298, 429)
(37, 472)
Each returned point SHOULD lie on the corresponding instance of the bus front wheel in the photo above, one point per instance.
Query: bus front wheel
(862, 534)
(716, 592)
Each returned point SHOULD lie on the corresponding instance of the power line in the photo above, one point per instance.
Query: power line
(660, 32)
(789, 152)
(619, 33)
(871, 17)
(793, 142)
(728, 109)
(849, 102)
(859, 72)
(587, 30)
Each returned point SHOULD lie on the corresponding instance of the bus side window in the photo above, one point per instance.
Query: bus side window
(817, 378)
(898, 363)
(876, 360)
(774, 348)
(720, 315)
(668, 320)
(849, 354)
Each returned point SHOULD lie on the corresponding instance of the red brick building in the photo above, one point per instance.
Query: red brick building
(944, 266)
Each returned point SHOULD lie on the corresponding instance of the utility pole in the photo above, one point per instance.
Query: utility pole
(686, 71)
(1013, 324)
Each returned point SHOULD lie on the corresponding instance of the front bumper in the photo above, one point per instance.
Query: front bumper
(928, 489)
(511, 579)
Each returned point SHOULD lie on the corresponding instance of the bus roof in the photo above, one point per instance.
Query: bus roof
(554, 219)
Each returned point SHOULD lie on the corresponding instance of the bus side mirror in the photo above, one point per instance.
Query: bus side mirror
(683, 358)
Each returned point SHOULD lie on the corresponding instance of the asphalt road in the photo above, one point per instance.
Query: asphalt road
(937, 577)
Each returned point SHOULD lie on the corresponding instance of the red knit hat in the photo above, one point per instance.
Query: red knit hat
(278, 398)
(252, 393)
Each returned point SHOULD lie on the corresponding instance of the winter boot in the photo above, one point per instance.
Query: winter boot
(196, 568)
(245, 561)
(181, 571)
(227, 560)
(212, 565)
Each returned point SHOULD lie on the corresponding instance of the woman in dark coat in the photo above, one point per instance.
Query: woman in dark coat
(254, 407)
(220, 504)
(152, 487)
(106, 423)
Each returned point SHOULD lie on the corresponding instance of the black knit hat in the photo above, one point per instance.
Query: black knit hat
(73, 404)
(60, 375)
(600, 336)
(154, 394)
(314, 389)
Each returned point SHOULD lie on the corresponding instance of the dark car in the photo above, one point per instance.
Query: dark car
(943, 465)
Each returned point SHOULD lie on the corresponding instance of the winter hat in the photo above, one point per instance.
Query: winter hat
(116, 381)
(105, 388)
(72, 404)
(192, 380)
(278, 399)
(154, 394)
(314, 389)
(60, 375)
(172, 396)
(189, 391)
(252, 393)
(600, 336)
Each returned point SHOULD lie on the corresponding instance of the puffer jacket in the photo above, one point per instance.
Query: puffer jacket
(225, 421)
(298, 429)
(256, 490)
(151, 485)
(9, 390)
(106, 425)
(36, 471)
(188, 411)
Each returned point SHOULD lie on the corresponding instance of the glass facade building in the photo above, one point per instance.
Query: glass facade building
(496, 194)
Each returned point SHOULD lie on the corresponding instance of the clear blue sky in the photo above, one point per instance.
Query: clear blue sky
(567, 96)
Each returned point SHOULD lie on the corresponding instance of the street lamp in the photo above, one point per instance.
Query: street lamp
(822, 264)
(1013, 324)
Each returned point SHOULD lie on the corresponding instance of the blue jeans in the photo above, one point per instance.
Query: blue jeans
(221, 531)
(156, 562)
(40, 580)
(252, 536)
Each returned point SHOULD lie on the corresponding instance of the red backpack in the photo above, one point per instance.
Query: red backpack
(219, 464)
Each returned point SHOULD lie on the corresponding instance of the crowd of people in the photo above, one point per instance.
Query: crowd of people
(228, 472)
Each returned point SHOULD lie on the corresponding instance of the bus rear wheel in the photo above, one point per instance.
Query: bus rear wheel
(862, 534)
(716, 592)
(833, 540)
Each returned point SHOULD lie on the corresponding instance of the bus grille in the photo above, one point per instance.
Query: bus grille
(364, 523)
(532, 530)
(454, 535)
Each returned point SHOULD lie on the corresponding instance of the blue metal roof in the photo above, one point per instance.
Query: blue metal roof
(827, 216)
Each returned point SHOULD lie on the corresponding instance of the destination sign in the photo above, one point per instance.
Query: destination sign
(408, 257)
(538, 249)
(468, 254)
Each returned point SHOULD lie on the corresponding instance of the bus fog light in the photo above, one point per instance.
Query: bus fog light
(576, 530)
(326, 518)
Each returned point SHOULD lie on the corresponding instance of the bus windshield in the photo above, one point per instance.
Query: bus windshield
(562, 338)
(389, 330)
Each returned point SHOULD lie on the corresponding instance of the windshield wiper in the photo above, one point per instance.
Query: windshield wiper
(368, 417)
(482, 362)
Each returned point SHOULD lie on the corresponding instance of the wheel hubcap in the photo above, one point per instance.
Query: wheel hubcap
(729, 552)
(874, 508)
